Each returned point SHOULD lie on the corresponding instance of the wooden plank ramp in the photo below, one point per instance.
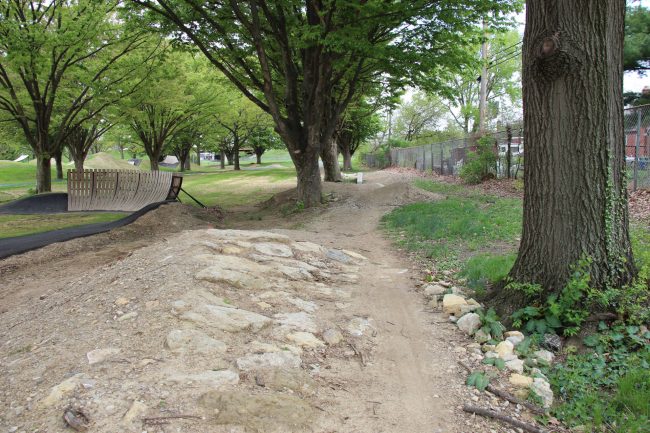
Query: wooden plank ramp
(117, 190)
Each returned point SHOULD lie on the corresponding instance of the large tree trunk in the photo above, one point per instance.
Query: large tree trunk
(198, 155)
(575, 200)
(43, 173)
(258, 154)
(309, 183)
(235, 155)
(347, 158)
(329, 155)
(78, 163)
(229, 156)
(58, 158)
(186, 164)
(222, 159)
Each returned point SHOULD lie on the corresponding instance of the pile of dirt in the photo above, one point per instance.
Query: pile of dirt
(165, 220)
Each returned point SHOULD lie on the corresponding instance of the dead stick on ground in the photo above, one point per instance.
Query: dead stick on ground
(359, 354)
(492, 414)
(507, 396)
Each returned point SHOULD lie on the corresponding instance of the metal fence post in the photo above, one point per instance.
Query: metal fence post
(636, 149)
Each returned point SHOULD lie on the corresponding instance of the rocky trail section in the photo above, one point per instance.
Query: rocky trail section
(209, 330)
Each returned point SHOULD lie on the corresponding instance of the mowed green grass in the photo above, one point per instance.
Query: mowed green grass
(476, 234)
(19, 225)
(448, 231)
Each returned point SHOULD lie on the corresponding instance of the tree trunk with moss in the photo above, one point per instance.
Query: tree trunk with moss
(575, 197)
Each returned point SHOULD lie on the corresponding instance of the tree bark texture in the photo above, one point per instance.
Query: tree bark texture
(43, 173)
(258, 156)
(329, 155)
(347, 159)
(58, 158)
(222, 159)
(575, 197)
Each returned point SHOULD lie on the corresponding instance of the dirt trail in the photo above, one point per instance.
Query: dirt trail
(150, 309)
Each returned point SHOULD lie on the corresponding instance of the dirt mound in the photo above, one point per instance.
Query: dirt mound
(166, 219)
(105, 161)
(396, 194)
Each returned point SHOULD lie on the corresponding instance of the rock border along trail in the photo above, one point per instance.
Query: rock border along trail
(311, 329)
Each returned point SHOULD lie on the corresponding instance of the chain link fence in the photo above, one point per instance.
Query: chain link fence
(447, 157)
(637, 146)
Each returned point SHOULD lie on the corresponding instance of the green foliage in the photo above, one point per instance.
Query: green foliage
(499, 363)
(566, 311)
(637, 38)
(490, 323)
(609, 389)
(478, 380)
(448, 230)
(483, 270)
(480, 165)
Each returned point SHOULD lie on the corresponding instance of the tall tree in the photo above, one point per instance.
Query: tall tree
(575, 197)
(418, 116)
(359, 123)
(81, 138)
(302, 61)
(177, 96)
(637, 39)
(56, 57)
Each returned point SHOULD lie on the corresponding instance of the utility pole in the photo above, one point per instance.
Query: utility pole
(484, 79)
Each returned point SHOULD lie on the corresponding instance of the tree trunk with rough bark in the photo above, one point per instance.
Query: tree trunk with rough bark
(259, 151)
(58, 158)
(575, 197)
(43, 173)
(330, 157)
(79, 163)
(222, 159)
(347, 159)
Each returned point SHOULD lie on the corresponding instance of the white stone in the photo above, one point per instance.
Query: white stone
(451, 304)
(464, 309)
(469, 323)
(227, 319)
(120, 302)
(128, 316)
(300, 321)
(355, 255)
(515, 340)
(100, 355)
(137, 410)
(505, 348)
(307, 306)
(514, 334)
(213, 379)
(63, 389)
(481, 336)
(542, 389)
(308, 247)
(520, 381)
(247, 235)
(358, 326)
(236, 278)
(284, 359)
(273, 249)
(516, 365)
(431, 290)
(305, 339)
(193, 341)
(332, 337)
(544, 355)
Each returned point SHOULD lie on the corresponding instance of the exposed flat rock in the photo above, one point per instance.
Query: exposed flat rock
(193, 341)
(226, 318)
(262, 361)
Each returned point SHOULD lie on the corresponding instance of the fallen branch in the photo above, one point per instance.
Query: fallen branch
(492, 414)
(359, 354)
(507, 396)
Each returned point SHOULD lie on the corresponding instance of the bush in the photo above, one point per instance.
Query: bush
(480, 165)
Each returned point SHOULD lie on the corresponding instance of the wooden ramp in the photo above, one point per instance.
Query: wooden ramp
(120, 190)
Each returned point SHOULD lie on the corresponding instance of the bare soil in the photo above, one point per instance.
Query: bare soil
(120, 290)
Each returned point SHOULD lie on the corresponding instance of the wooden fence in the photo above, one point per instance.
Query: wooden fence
(119, 190)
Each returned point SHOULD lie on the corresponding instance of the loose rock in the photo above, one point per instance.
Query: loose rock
(451, 304)
(469, 323)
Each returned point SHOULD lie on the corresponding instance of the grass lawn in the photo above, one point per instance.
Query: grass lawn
(19, 225)
(476, 234)
(449, 231)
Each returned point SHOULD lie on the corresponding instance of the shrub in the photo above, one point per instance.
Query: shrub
(480, 165)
